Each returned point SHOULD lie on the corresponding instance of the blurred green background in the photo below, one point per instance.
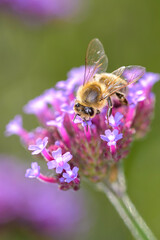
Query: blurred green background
(34, 58)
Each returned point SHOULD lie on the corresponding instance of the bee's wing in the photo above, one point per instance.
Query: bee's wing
(118, 72)
(125, 77)
(96, 60)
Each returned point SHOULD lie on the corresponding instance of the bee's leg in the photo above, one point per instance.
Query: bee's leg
(109, 111)
(122, 98)
(86, 124)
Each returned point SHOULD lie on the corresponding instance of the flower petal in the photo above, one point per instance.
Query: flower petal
(115, 132)
(108, 133)
(57, 153)
(52, 164)
(104, 138)
(66, 166)
(59, 169)
(119, 136)
(75, 170)
(67, 157)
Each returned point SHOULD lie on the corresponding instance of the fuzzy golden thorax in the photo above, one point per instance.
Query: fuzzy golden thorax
(91, 94)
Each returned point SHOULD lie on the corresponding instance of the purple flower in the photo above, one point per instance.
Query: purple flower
(34, 171)
(71, 175)
(116, 120)
(39, 147)
(14, 126)
(83, 146)
(35, 106)
(58, 122)
(42, 10)
(68, 108)
(75, 78)
(111, 137)
(49, 95)
(149, 79)
(41, 207)
(60, 161)
(136, 94)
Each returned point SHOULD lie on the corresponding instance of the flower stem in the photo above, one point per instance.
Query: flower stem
(127, 212)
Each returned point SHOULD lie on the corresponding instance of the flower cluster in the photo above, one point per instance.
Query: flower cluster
(76, 149)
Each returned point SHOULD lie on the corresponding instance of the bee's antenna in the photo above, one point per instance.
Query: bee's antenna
(75, 117)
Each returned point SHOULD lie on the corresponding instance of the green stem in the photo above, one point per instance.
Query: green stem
(128, 213)
(116, 193)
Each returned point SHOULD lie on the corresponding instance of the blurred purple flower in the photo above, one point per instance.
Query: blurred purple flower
(149, 79)
(39, 206)
(34, 171)
(58, 122)
(68, 108)
(35, 106)
(136, 94)
(75, 79)
(39, 147)
(14, 126)
(43, 10)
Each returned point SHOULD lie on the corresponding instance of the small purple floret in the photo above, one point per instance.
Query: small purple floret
(111, 137)
(75, 79)
(34, 171)
(149, 79)
(136, 94)
(116, 120)
(60, 161)
(58, 122)
(71, 175)
(14, 126)
(35, 106)
(39, 147)
(68, 108)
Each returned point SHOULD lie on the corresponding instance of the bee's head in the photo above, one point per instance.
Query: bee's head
(84, 112)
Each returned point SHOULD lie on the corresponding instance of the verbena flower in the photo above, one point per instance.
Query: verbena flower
(79, 149)
(111, 138)
(42, 10)
(14, 126)
(71, 175)
(39, 147)
(60, 162)
(116, 120)
(34, 171)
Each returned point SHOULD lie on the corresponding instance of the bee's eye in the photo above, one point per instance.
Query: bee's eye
(77, 105)
(89, 111)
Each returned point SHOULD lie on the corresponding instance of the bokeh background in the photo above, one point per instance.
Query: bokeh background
(35, 53)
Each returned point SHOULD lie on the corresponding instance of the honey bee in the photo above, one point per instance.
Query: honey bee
(98, 86)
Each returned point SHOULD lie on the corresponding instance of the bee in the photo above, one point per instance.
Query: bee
(98, 86)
